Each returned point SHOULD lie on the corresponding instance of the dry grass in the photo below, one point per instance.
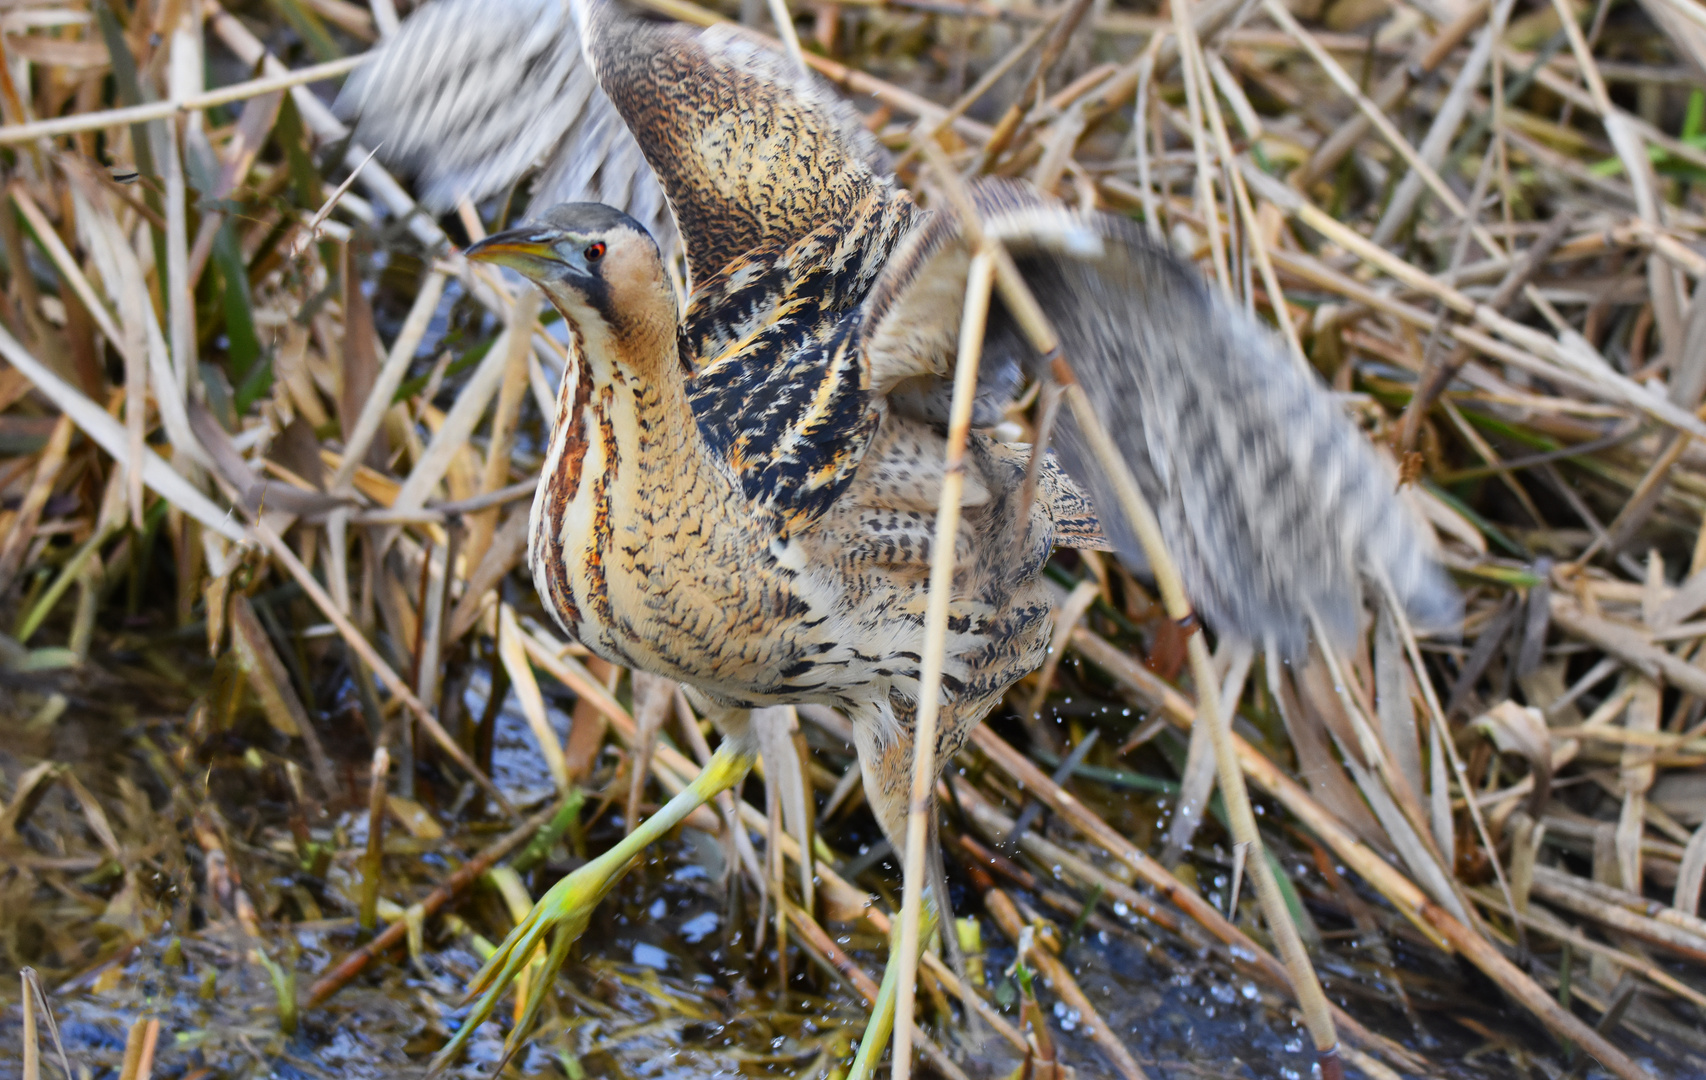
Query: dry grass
(266, 445)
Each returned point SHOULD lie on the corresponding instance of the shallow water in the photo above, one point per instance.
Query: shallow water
(667, 982)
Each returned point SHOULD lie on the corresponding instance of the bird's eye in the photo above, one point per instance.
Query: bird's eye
(594, 252)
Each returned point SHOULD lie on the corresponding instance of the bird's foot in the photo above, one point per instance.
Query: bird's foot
(569, 904)
(881, 1023)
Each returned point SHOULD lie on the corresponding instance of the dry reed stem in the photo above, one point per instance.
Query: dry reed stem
(514, 656)
(32, 1047)
(784, 23)
(1197, 778)
(1006, 916)
(506, 417)
(1563, 397)
(1184, 32)
(979, 282)
(160, 110)
(1404, 894)
(140, 1044)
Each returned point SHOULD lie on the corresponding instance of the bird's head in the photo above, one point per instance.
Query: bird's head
(597, 265)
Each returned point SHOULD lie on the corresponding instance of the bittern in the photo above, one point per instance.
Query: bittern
(741, 495)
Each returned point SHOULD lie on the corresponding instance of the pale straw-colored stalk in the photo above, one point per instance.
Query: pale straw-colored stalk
(979, 279)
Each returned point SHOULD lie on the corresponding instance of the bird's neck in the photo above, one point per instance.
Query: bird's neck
(623, 401)
(625, 456)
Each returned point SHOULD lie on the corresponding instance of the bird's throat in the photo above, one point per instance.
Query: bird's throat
(624, 449)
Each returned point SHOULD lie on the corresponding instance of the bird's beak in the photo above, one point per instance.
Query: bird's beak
(526, 250)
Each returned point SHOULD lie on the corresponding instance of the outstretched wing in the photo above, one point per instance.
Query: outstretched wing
(1271, 501)
(469, 95)
(751, 151)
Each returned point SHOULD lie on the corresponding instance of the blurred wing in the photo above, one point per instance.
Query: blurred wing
(1271, 501)
(750, 150)
(911, 326)
(471, 94)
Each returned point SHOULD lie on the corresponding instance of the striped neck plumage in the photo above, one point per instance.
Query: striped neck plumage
(624, 440)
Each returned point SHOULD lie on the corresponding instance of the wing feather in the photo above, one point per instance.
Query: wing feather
(751, 152)
(747, 151)
(469, 95)
(1272, 502)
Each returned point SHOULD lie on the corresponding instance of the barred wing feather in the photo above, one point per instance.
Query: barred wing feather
(1272, 502)
(469, 95)
(703, 131)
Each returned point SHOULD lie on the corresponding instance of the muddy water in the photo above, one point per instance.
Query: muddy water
(123, 924)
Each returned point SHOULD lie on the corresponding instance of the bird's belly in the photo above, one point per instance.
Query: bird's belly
(696, 609)
(659, 571)
(674, 584)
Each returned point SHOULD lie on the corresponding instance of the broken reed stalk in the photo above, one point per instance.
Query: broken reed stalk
(979, 280)
(373, 860)
(1006, 916)
(139, 1050)
(32, 1044)
(36, 994)
(353, 964)
(159, 110)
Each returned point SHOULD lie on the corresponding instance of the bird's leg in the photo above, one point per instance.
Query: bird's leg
(881, 1024)
(888, 770)
(569, 904)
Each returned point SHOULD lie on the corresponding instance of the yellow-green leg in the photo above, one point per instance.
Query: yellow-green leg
(568, 905)
(881, 1024)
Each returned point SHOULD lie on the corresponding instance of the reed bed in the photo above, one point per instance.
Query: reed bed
(289, 740)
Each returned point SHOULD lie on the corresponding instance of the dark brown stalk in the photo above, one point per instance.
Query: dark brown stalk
(392, 936)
